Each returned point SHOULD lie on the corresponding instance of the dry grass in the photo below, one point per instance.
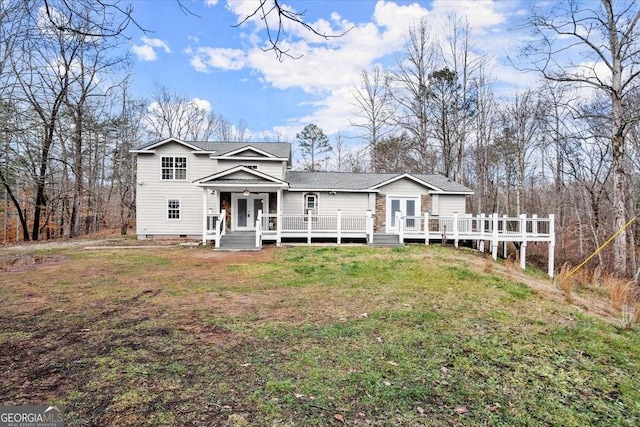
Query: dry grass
(488, 265)
(623, 297)
(309, 336)
(566, 283)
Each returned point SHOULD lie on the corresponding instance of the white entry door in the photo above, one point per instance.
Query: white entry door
(408, 206)
(246, 209)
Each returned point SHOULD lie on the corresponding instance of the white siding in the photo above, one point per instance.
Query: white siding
(153, 193)
(292, 203)
(271, 168)
(435, 204)
(450, 203)
(347, 203)
(328, 204)
(403, 187)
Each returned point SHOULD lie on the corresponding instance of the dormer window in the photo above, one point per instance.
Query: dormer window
(174, 168)
(254, 167)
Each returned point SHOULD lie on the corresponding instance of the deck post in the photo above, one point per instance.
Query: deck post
(552, 244)
(481, 241)
(494, 238)
(534, 225)
(504, 230)
(455, 229)
(339, 226)
(426, 228)
(309, 227)
(259, 229)
(279, 218)
(204, 215)
(369, 226)
(399, 228)
(523, 245)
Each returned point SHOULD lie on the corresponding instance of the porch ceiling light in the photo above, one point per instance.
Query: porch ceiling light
(246, 192)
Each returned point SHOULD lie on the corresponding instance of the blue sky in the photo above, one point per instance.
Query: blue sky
(205, 57)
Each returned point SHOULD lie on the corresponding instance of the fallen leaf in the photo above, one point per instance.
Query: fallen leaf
(444, 369)
(461, 410)
(380, 339)
(298, 396)
(339, 417)
(244, 365)
(420, 409)
(392, 363)
(494, 407)
(387, 383)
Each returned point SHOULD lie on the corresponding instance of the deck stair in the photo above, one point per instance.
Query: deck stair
(238, 241)
(385, 239)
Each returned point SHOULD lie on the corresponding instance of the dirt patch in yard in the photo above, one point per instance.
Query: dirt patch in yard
(28, 261)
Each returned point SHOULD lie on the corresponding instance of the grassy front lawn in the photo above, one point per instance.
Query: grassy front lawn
(307, 336)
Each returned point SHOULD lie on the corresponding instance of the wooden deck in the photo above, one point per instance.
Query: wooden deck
(484, 230)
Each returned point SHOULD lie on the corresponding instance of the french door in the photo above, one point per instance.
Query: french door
(408, 206)
(246, 209)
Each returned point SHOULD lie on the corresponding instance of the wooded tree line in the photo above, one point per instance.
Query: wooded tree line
(569, 145)
(68, 120)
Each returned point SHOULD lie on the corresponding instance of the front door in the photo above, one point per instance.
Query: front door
(408, 206)
(246, 210)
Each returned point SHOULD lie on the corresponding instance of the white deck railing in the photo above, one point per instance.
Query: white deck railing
(493, 229)
(481, 228)
(336, 226)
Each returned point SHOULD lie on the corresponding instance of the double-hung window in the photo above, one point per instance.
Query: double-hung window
(174, 168)
(310, 203)
(173, 209)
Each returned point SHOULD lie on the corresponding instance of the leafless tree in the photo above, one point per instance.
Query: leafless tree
(372, 97)
(174, 115)
(520, 119)
(595, 46)
(275, 15)
(410, 90)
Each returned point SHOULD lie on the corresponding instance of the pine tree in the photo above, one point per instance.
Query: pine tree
(312, 142)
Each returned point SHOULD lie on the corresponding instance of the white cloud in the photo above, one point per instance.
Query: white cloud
(147, 50)
(202, 104)
(329, 68)
(223, 58)
(144, 52)
(211, 2)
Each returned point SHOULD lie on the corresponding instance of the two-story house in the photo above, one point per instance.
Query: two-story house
(197, 189)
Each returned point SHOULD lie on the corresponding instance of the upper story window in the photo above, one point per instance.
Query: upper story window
(254, 167)
(174, 168)
(311, 203)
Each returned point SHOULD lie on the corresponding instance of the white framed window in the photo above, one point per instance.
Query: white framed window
(174, 168)
(173, 209)
(310, 203)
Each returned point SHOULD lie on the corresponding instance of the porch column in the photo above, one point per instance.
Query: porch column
(204, 215)
(279, 218)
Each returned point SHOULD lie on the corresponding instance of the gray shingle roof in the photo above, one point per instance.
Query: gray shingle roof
(362, 181)
(278, 149)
